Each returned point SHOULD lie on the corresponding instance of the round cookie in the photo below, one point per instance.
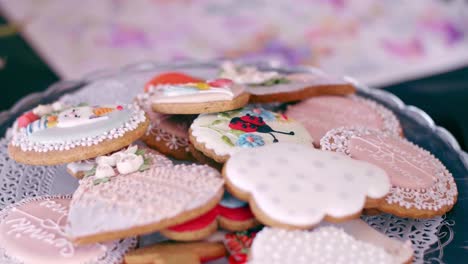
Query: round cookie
(231, 214)
(167, 133)
(177, 93)
(421, 185)
(272, 86)
(220, 135)
(354, 243)
(32, 232)
(136, 192)
(77, 133)
(324, 113)
(296, 186)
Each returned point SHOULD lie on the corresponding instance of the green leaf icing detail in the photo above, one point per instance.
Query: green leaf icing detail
(227, 140)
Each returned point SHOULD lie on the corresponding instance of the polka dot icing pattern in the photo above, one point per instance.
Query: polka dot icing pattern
(323, 245)
(32, 231)
(78, 126)
(160, 192)
(419, 179)
(299, 185)
(336, 111)
(229, 132)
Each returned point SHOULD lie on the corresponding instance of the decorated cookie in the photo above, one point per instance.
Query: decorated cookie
(272, 86)
(355, 243)
(421, 185)
(296, 186)
(167, 133)
(230, 214)
(324, 113)
(137, 192)
(220, 135)
(176, 253)
(203, 159)
(177, 93)
(77, 133)
(32, 232)
(238, 245)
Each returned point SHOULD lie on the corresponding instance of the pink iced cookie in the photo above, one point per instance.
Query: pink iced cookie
(32, 231)
(136, 192)
(321, 114)
(167, 133)
(422, 186)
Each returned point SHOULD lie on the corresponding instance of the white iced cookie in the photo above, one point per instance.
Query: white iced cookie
(328, 244)
(296, 186)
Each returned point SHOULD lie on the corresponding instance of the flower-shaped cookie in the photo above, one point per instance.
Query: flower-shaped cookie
(296, 186)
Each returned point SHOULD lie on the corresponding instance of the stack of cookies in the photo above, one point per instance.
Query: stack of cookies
(255, 165)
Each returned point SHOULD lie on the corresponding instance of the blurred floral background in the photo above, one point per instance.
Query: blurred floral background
(378, 42)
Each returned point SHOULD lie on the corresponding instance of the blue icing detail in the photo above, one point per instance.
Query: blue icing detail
(179, 90)
(230, 201)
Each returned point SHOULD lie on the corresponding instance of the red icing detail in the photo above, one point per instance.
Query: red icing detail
(171, 78)
(238, 124)
(238, 258)
(119, 107)
(256, 120)
(27, 118)
(197, 223)
(285, 117)
(207, 259)
(220, 83)
(236, 214)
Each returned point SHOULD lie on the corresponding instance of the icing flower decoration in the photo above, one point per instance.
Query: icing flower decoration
(249, 140)
(258, 111)
(123, 162)
(252, 123)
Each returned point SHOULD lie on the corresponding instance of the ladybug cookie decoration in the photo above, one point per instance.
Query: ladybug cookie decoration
(252, 123)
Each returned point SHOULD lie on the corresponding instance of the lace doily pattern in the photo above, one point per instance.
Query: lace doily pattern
(421, 232)
(172, 141)
(114, 251)
(440, 194)
(18, 181)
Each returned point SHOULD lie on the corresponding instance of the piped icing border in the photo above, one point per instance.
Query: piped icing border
(114, 255)
(442, 193)
(137, 116)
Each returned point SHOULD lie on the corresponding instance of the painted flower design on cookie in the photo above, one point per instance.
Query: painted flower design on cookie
(228, 132)
(32, 232)
(421, 185)
(298, 186)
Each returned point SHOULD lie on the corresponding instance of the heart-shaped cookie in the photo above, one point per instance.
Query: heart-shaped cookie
(151, 198)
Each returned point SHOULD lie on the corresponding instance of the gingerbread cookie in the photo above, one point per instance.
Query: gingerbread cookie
(32, 232)
(273, 86)
(421, 185)
(175, 253)
(230, 214)
(167, 133)
(177, 93)
(353, 243)
(77, 133)
(135, 192)
(220, 135)
(296, 186)
(324, 113)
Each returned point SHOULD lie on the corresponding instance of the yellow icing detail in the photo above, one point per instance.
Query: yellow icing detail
(202, 86)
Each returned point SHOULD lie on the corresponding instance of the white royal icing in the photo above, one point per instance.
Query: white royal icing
(213, 129)
(299, 185)
(80, 166)
(328, 244)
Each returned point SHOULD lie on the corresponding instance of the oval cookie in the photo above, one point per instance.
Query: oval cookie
(272, 86)
(32, 232)
(324, 113)
(296, 186)
(421, 185)
(139, 193)
(220, 135)
(77, 133)
(177, 93)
